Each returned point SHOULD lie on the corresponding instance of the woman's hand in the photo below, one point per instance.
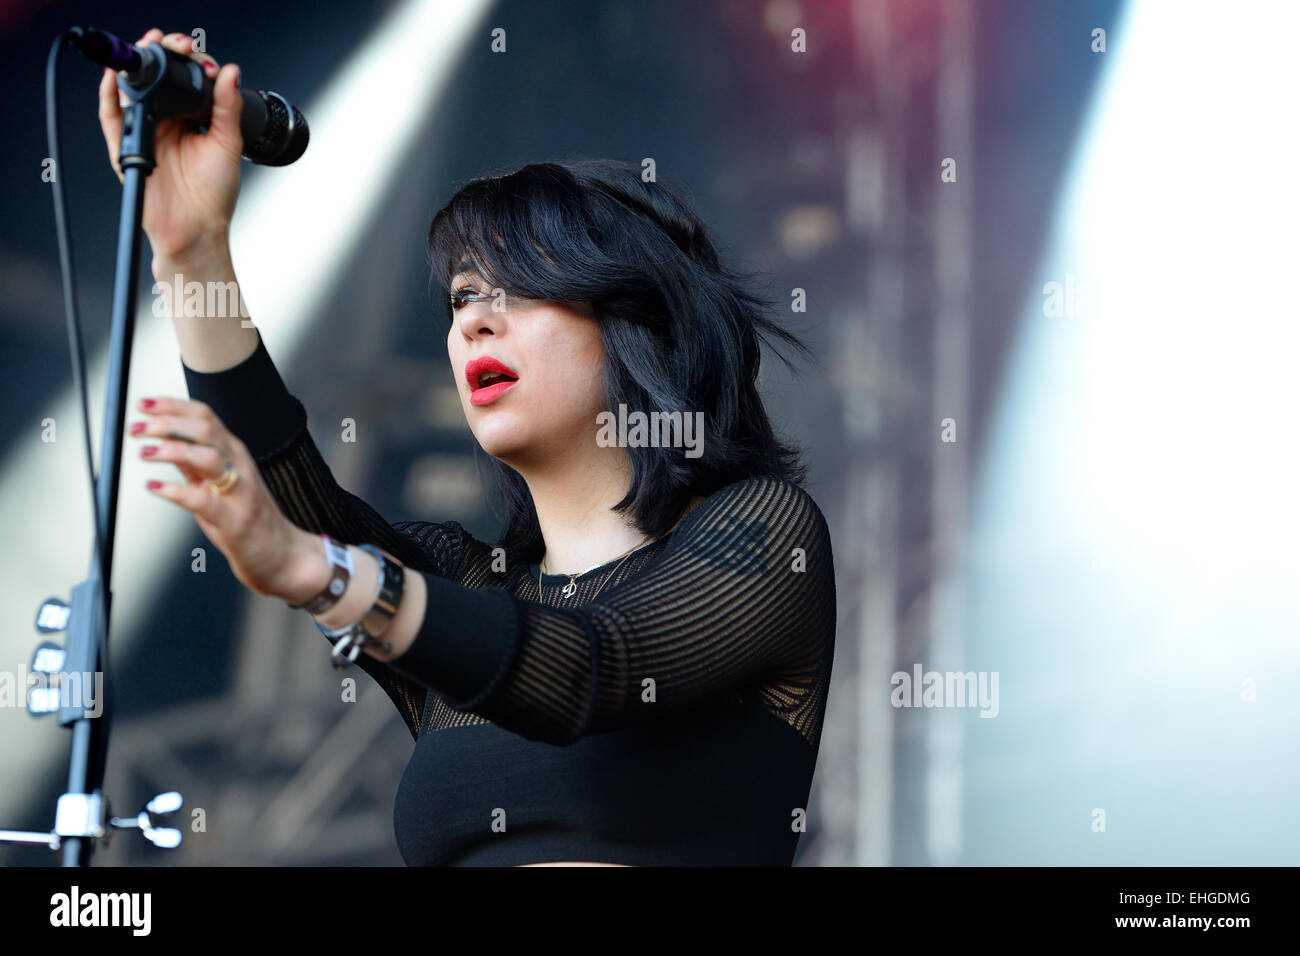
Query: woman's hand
(191, 194)
(266, 551)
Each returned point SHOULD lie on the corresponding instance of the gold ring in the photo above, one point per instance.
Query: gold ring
(227, 480)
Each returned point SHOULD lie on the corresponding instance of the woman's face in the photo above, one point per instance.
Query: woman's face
(553, 353)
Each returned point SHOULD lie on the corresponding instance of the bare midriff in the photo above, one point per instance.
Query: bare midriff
(566, 863)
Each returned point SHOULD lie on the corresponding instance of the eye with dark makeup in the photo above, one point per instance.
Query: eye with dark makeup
(458, 297)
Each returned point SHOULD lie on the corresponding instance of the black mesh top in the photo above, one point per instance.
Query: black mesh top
(673, 720)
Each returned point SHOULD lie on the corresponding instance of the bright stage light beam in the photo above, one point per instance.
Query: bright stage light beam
(293, 227)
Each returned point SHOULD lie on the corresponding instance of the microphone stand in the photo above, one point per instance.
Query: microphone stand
(90, 736)
(82, 817)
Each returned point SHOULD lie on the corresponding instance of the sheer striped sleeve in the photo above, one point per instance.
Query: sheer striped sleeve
(743, 591)
(251, 400)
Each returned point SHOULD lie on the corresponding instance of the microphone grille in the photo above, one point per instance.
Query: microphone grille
(284, 137)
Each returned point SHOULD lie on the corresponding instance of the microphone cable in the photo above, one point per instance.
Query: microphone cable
(75, 345)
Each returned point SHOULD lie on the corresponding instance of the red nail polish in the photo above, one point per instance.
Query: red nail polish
(153, 485)
(148, 451)
(147, 403)
(137, 428)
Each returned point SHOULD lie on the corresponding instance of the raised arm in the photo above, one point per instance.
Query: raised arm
(188, 209)
(252, 401)
(743, 591)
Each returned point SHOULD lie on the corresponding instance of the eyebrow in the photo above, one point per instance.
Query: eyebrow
(464, 266)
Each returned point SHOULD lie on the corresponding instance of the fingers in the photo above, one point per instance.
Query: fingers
(183, 43)
(196, 462)
(111, 100)
(210, 65)
(170, 405)
(195, 498)
(239, 515)
(227, 108)
(187, 421)
(227, 104)
(195, 441)
(110, 117)
(198, 431)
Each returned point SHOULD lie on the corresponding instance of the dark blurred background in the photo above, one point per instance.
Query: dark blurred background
(991, 450)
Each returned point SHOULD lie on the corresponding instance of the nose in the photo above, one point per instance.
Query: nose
(477, 318)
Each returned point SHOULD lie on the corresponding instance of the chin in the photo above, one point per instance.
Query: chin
(499, 437)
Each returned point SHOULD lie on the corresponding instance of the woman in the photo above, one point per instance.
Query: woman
(635, 673)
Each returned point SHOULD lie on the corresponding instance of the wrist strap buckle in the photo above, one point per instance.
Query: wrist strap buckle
(349, 640)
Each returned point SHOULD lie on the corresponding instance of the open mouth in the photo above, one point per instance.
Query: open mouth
(488, 378)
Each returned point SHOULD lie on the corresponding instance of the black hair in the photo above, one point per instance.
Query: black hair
(680, 331)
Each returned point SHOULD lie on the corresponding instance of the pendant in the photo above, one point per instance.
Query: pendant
(569, 589)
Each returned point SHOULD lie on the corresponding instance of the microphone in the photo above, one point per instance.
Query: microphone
(275, 133)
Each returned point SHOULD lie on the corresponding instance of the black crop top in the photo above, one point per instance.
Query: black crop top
(673, 720)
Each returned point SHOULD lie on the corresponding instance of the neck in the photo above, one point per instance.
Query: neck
(574, 497)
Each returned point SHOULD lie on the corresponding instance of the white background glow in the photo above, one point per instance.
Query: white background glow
(1134, 558)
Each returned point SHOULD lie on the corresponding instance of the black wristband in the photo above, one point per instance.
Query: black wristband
(392, 584)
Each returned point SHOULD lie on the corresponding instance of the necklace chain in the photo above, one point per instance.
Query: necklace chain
(571, 588)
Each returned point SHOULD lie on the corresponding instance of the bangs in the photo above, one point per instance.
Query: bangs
(680, 331)
(526, 233)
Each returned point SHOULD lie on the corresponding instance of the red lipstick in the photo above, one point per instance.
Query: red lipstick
(488, 379)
